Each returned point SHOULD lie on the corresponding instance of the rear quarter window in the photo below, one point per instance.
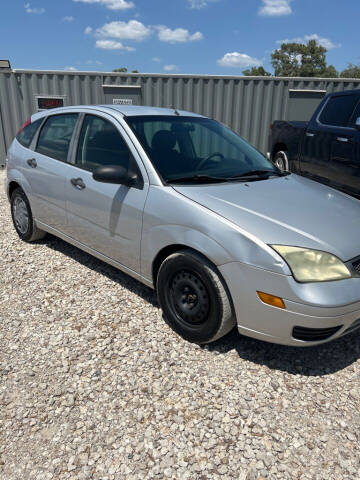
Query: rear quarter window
(27, 134)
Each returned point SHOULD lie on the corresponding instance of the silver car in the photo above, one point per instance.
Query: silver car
(186, 206)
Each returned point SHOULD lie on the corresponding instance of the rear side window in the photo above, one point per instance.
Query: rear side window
(27, 134)
(338, 110)
(55, 136)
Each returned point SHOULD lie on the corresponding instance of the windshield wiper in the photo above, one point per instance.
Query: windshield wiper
(261, 173)
(198, 179)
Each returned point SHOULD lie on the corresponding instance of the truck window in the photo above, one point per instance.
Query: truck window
(355, 115)
(338, 110)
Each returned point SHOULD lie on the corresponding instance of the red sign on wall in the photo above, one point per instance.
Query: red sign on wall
(46, 103)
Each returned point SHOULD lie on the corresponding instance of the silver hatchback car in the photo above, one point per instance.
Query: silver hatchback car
(186, 206)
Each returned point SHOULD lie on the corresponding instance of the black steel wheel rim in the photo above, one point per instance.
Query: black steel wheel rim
(189, 298)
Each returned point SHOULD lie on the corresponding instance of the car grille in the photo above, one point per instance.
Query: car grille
(314, 334)
(356, 266)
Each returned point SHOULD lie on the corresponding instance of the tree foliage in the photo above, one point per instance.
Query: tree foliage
(302, 60)
(352, 71)
(256, 72)
(124, 70)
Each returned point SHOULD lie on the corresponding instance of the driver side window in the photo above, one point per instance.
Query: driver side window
(101, 144)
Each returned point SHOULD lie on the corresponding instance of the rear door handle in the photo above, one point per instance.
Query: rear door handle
(32, 162)
(342, 139)
(308, 134)
(78, 183)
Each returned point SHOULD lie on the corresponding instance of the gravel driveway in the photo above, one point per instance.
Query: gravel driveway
(94, 385)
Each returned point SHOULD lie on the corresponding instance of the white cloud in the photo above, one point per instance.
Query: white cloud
(93, 62)
(200, 3)
(88, 30)
(71, 69)
(38, 11)
(68, 19)
(156, 59)
(324, 42)
(179, 35)
(132, 30)
(112, 45)
(238, 60)
(170, 68)
(275, 8)
(111, 4)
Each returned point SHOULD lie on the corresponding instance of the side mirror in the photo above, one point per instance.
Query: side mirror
(115, 174)
(357, 123)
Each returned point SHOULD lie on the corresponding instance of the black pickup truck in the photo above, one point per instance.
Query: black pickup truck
(327, 148)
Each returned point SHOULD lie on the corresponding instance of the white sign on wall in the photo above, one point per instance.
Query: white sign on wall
(122, 101)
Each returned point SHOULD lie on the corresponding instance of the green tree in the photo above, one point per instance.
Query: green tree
(256, 72)
(330, 72)
(301, 60)
(352, 71)
(124, 70)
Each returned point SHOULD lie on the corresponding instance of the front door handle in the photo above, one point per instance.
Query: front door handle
(78, 183)
(309, 134)
(342, 139)
(32, 162)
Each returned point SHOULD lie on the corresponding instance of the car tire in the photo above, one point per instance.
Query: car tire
(22, 217)
(281, 161)
(194, 298)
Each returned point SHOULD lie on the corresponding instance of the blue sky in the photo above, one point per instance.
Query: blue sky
(174, 36)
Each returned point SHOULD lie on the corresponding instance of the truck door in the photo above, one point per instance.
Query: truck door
(318, 145)
(345, 156)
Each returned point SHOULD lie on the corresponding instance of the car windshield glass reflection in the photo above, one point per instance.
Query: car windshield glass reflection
(182, 148)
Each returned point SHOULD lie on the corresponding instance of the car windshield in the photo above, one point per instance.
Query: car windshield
(197, 148)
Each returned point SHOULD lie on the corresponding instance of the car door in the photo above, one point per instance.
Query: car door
(46, 169)
(345, 156)
(318, 140)
(106, 217)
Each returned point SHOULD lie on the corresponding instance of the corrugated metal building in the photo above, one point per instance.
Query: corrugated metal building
(247, 104)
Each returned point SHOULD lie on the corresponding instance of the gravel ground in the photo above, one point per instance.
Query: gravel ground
(94, 385)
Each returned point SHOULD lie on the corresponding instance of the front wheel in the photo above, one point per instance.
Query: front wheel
(194, 297)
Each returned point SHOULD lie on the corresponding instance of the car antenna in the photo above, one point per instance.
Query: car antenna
(175, 111)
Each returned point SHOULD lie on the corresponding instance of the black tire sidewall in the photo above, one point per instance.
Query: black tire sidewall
(194, 333)
(28, 234)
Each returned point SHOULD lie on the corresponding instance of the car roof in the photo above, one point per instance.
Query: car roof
(134, 110)
(124, 110)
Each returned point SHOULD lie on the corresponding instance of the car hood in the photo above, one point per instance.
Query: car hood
(289, 210)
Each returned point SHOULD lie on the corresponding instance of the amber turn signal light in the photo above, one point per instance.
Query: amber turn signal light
(271, 300)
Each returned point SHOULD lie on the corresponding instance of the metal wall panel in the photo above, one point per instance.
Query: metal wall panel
(247, 104)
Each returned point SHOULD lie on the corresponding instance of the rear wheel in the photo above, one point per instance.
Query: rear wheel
(194, 297)
(281, 161)
(22, 217)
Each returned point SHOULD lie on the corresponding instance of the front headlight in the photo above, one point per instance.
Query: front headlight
(312, 265)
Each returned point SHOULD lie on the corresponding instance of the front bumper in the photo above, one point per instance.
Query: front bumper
(309, 306)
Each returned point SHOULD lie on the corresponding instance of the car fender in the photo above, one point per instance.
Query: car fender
(173, 220)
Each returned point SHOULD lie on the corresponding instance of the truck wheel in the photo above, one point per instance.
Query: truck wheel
(22, 217)
(194, 297)
(281, 161)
